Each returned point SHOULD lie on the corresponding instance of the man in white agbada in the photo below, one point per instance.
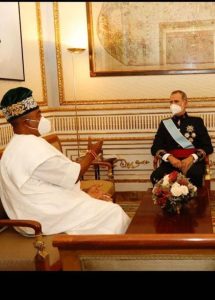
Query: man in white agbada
(38, 182)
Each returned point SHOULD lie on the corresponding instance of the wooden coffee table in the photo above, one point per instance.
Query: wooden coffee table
(196, 218)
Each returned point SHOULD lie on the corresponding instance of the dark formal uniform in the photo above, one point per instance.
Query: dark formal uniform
(194, 130)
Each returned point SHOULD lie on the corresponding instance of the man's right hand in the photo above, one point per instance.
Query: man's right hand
(90, 156)
(97, 147)
(176, 163)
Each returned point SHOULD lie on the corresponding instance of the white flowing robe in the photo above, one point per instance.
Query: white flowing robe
(38, 182)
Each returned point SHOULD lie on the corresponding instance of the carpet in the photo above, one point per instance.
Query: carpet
(129, 208)
(213, 212)
(129, 201)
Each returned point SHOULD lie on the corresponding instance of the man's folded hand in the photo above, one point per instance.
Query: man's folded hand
(186, 164)
(174, 162)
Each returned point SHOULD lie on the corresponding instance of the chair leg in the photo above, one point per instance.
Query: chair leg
(207, 184)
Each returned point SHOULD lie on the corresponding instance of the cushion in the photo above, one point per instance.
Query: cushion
(151, 262)
(17, 252)
(105, 185)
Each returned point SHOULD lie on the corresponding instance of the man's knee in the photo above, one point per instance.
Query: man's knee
(196, 174)
(153, 178)
(195, 178)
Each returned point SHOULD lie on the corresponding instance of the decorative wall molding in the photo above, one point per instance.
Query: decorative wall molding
(127, 137)
(127, 125)
(58, 53)
(130, 165)
(118, 124)
(203, 100)
(41, 49)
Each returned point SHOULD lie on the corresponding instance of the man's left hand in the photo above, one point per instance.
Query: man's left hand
(95, 191)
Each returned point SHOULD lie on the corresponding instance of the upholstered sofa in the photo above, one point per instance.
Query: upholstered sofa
(137, 252)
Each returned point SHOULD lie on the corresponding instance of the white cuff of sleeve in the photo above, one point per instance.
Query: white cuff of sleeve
(195, 156)
(165, 156)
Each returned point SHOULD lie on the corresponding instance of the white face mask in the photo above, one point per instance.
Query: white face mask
(175, 108)
(43, 127)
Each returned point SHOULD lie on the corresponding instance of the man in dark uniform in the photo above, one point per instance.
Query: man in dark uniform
(181, 143)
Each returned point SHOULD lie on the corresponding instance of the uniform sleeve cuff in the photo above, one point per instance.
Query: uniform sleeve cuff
(195, 157)
(160, 153)
(165, 156)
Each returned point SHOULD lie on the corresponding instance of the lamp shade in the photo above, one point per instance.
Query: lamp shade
(76, 50)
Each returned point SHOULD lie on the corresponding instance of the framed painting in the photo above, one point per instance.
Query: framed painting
(11, 52)
(149, 38)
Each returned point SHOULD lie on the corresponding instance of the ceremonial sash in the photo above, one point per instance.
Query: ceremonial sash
(177, 135)
(182, 153)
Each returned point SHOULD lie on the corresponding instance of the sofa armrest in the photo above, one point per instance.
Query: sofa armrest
(137, 252)
(42, 257)
(23, 223)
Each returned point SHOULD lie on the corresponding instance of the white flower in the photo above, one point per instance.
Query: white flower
(176, 189)
(165, 180)
(184, 190)
(194, 188)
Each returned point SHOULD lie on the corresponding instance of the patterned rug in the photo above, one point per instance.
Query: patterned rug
(129, 201)
(129, 208)
(213, 212)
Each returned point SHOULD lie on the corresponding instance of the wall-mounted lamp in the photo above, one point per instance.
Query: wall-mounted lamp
(76, 51)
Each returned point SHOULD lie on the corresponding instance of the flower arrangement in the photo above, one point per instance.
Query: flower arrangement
(173, 191)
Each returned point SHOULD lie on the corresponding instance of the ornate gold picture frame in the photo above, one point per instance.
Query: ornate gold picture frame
(151, 38)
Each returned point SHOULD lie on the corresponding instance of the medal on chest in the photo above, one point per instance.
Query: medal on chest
(190, 133)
